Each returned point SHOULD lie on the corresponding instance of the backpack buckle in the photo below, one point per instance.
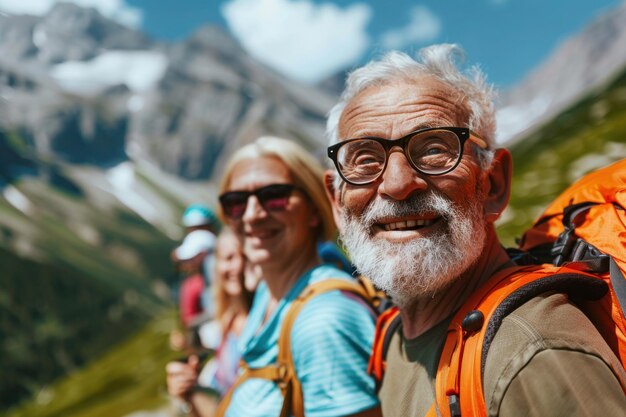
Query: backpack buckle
(592, 257)
(282, 376)
(569, 248)
(455, 405)
(562, 247)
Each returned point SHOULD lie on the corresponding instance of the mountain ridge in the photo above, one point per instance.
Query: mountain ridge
(581, 64)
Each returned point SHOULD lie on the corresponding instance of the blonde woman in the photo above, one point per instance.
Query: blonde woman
(273, 198)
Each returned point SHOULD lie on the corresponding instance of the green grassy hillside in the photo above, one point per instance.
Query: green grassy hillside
(589, 135)
(53, 321)
(80, 272)
(130, 377)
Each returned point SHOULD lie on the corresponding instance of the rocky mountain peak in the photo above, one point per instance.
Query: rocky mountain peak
(578, 65)
(104, 92)
(72, 33)
(215, 38)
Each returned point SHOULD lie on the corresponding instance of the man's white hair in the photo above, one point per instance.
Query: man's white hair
(439, 61)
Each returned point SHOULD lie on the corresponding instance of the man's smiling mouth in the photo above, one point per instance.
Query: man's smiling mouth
(411, 224)
(408, 224)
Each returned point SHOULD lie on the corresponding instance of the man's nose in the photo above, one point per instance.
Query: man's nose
(400, 179)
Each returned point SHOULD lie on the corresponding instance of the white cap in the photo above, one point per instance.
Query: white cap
(194, 243)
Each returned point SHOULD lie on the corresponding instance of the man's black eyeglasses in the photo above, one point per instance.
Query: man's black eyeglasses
(273, 197)
(431, 151)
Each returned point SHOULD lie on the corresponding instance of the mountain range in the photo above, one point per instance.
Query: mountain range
(585, 62)
(84, 89)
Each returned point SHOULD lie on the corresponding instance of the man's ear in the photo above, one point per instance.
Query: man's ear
(333, 196)
(498, 184)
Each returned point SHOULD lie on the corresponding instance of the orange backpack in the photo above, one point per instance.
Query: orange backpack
(583, 234)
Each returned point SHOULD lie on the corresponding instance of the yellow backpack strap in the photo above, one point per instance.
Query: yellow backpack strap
(374, 296)
(293, 396)
(283, 373)
(271, 373)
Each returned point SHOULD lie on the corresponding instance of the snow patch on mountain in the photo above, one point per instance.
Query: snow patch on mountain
(515, 119)
(122, 178)
(134, 194)
(17, 199)
(140, 71)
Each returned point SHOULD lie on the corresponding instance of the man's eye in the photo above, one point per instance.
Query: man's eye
(367, 158)
(426, 148)
(434, 150)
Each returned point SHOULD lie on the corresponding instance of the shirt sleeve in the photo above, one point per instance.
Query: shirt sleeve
(548, 359)
(564, 383)
(331, 340)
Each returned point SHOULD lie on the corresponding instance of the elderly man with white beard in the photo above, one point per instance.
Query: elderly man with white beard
(417, 187)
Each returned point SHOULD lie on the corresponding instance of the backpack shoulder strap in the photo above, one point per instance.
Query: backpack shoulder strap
(377, 298)
(386, 326)
(459, 385)
(283, 373)
(618, 281)
(285, 356)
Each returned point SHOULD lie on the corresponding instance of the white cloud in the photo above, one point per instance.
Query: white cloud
(138, 70)
(117, 10)
(424, 26)
(301, 39)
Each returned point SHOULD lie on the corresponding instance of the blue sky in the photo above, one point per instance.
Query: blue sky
(310, 39)
(506, 37)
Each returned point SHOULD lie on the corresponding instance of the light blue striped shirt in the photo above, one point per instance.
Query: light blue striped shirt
(331, 342)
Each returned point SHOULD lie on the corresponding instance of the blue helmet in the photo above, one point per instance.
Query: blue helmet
(199, 215)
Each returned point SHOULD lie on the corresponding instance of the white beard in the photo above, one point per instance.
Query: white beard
(422, 267)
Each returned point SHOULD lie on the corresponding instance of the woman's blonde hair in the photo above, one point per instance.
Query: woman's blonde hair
(306, 171)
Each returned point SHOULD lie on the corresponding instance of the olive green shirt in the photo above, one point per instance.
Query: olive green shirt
(547, 359)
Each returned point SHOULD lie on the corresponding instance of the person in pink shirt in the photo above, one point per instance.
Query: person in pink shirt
(191, 258)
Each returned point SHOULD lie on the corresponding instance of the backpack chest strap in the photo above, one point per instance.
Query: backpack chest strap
(281, 374)
(278, 373)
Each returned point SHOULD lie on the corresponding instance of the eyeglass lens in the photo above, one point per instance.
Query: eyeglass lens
(431, 152)
(274, 197)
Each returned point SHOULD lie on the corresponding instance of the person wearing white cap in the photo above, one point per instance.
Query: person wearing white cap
(194, 258)
(191, 257)
(196, 242)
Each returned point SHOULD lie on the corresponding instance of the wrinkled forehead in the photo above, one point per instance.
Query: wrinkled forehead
(402, 106)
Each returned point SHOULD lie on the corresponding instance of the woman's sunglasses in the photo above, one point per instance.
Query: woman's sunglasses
(273, 197)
